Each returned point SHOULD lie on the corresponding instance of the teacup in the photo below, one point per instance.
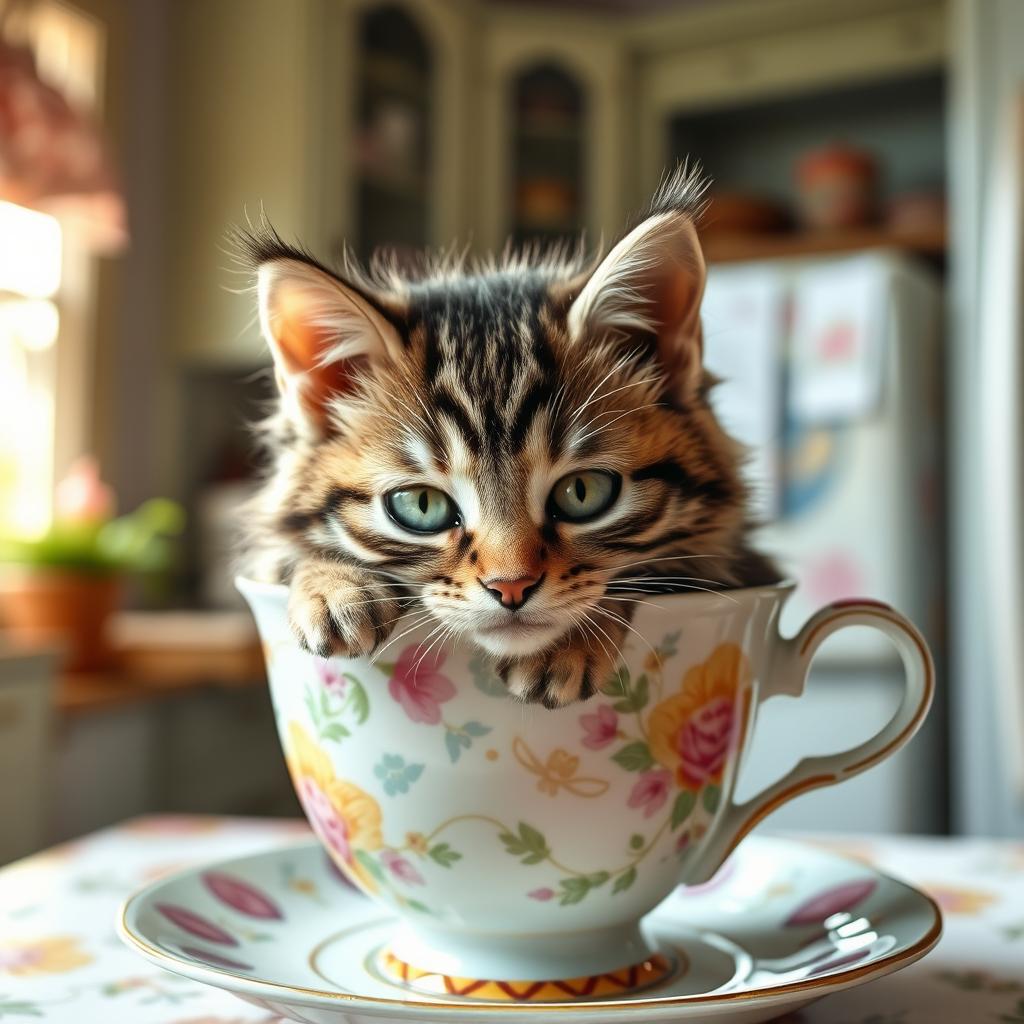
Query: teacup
(518, 844)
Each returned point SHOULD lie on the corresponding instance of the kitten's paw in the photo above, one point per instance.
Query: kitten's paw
(336, 609)
(557, 678)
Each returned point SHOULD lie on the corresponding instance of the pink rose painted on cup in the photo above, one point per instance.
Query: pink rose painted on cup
(651, 791)
(401, 868)
(326, 822)
(694, 732)
(419, 686)
(600, 728)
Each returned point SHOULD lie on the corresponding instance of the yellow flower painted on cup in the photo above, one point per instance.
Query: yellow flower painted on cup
(693, 731)
(346, 818)
(42, 956)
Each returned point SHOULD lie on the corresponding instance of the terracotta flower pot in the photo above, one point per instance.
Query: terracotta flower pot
(69, 608)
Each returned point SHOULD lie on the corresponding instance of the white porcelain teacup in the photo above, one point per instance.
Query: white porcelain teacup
(520, 843)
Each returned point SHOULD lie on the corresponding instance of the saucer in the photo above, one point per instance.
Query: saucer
(783, 923)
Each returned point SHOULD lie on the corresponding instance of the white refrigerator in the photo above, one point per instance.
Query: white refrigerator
(986, 366)
(830, 378)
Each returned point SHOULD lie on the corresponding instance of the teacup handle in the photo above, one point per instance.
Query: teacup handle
(792, 664)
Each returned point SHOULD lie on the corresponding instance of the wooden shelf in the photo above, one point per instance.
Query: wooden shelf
(738, 248)
(165, 655)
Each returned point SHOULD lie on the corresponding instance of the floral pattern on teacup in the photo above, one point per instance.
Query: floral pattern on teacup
(693, 732)
(346, 819)
(676, 744)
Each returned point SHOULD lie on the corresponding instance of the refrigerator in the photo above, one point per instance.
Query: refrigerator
(830, 378)
(986, 160)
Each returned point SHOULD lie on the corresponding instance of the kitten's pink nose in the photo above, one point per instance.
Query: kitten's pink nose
(512, 593)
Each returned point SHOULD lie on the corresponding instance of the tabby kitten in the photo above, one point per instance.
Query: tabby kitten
(505, 451)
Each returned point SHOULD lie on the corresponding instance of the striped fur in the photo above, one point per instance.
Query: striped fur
(490, 383)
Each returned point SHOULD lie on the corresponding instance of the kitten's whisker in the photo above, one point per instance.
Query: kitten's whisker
(662, 558)
(615, 391)
(426, 617)
(604, 426)
(615, 369)
(615, 617)
(616, 647)
(426, 650)
(686, 586)
(633, 600)
(663, 579)
(584, 623)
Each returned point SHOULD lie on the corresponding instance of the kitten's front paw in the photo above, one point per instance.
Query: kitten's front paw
(337, 609)
(559, 677)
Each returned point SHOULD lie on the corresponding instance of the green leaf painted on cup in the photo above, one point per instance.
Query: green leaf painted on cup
(683, 807)
(618, 684)
(357, 698)
(530, 845)
(444, 855)
(636, 842)
(634, 757)
(573, 890)
(476, 729)
(370, 865)
(598, 878)
(334, 731)
(420, 907)
(485, 679)
(625, 880)
(710, 798)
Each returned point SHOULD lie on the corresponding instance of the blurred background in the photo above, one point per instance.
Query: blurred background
(864, 308)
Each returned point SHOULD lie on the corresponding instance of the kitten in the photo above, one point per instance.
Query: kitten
(505, 451)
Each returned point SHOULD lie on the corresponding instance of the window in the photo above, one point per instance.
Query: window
(46, 290)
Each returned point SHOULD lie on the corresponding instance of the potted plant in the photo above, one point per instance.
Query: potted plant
(65, 584)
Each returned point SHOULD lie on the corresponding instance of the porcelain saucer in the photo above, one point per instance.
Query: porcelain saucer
(783, 923)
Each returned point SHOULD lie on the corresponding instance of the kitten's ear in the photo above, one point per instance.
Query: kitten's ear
(320, 330)
(652, 283)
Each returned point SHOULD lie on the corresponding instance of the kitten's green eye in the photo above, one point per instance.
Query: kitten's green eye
(422, 509)
(580, 496)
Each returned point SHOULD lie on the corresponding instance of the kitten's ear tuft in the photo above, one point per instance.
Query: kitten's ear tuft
(652, 282)
(321, 330)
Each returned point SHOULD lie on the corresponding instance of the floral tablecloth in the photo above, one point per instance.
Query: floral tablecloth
(60, 960)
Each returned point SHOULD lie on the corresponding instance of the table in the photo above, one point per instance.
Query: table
(60, 960)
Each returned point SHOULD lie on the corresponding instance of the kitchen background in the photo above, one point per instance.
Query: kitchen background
(863, 308)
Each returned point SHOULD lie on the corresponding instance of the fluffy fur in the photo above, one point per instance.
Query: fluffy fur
(490, 383)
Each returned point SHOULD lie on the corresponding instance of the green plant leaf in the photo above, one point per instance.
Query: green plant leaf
(444, 855)
(625, 880)
(634, 757)
(710, 798)
(683, 807)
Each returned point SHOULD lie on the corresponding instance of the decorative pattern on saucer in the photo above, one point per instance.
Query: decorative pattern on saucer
(782, 924)
(631, 980)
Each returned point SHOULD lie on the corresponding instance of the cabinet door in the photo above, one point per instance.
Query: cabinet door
(392, 144)
(398, 105)
(551, 133)
(26, 748)
(548, 152)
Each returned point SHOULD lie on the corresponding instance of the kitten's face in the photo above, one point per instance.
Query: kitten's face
(504, 443)
(510, 472)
